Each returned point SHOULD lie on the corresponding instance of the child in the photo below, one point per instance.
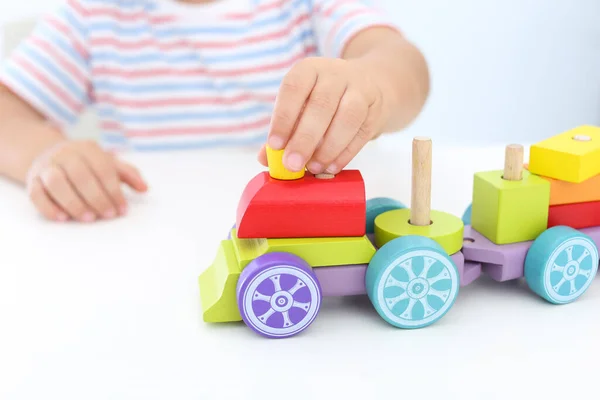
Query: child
(319, 78)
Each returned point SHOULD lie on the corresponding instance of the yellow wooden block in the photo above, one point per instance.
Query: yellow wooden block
(571, 156)
(318, 252)
(276, 168)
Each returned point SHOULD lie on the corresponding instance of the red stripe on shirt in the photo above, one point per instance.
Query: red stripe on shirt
(157, 72)
(74, 106)
(336, 27)
(116, 13)
(44, 46)
(152, 42)
(187, 101)
(59, 26)
(207, 130)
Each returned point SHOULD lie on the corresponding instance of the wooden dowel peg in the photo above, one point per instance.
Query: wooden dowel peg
(513, 163)
(420, 206)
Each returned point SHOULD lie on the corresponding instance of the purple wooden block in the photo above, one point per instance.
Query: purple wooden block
(342, 280)
(349, 280)
(594, 233)
(472, 271)
(501, 262)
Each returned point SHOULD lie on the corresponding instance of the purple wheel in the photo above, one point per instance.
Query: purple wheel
(229, 233)
(278, 295)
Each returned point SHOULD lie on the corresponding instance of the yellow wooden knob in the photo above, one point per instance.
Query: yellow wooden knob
(276, 168)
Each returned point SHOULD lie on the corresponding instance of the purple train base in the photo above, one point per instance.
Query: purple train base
(478, 256)
(410, 281)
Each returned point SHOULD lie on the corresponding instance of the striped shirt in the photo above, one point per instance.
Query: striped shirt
(162, 74)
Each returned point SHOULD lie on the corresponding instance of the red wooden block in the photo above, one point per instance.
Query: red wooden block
(576, 215)
(302, 208)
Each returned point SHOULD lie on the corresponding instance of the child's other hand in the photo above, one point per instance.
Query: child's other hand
(326, 111)
(79, 180)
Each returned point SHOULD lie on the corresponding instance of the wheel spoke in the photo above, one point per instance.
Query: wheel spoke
(583, 256)
(428, 262)
(407, 266)
(557, 268)
(286, 319)
(573, 288)
(276, 282)
(559, 284)
(391, 282)
(428, 309)
(407, 314)
(265, 317)
(391, 302)
(442, 294)
(299, 284)
(442, 275)
(259, 296)
(569, 251)
(304, 306)
(585, 272)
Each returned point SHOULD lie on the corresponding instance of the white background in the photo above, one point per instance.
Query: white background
(111, 311)
(502, 71)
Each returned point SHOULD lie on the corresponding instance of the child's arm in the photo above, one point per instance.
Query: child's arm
(24, 134)
(44, 87)
(65, 179)
(371, 81)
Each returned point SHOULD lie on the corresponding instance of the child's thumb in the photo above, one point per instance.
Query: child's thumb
(131, 176)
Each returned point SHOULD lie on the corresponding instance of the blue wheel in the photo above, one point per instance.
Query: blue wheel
(412, 282)
(467, 216)
(561, 264)
(379, 205)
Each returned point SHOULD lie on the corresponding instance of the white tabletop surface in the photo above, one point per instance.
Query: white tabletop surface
(111, 310)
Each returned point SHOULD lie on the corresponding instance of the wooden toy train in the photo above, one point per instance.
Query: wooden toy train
(300, 237)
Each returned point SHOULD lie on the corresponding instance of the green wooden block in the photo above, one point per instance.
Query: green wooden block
(317, 252)
(218, 286)
(510, 211)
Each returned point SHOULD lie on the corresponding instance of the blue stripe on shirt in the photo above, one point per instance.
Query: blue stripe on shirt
(39, 96)
(73, 22)
(55, 37)
(191, 145)
(157, 56)
(157, 88)
(170, 31)
(184, 116)
(41, 59)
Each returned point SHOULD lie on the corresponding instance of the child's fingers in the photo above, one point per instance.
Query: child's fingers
(131, 176)
(59, 188)
(362, 137)
(46, 206)
(262, 156)
(314, 121)
(88, 186)
(103, 167)
(295, 88)
(350, 115)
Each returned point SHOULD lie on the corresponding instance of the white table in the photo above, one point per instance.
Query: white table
(111, 310)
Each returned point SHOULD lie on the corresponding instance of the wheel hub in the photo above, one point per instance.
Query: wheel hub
(571, 270)
(282, 301)
(417, 288)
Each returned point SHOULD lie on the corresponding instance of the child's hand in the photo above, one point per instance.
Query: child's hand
(326, 111)
(81, 181)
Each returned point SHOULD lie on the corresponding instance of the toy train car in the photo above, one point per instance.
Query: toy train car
(300, 237)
